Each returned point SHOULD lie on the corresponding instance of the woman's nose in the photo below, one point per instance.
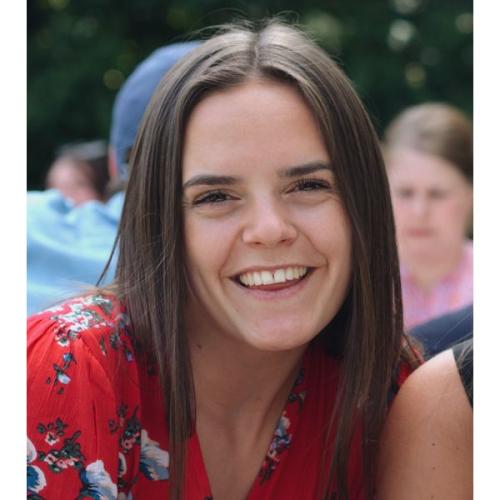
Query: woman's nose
(420, 206)
(268, 224)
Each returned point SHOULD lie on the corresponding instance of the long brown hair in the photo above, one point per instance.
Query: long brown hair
(151, 277)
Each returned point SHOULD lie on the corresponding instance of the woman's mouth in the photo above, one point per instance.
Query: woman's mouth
(275, 279)
(420, 232)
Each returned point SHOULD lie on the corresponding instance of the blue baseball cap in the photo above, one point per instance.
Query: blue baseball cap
(134, 95)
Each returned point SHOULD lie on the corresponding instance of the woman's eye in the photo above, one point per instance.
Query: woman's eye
(310, 185)
(212, 197)
(437, 194)
(404, 193)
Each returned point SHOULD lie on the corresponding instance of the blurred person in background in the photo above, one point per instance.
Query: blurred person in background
(80, 172)
(69, 244)
(429, 158)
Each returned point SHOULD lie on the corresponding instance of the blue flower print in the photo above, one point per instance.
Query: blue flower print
(35, 476)
(281, 431)
(280, 443)
(154, 461)
(63, 378)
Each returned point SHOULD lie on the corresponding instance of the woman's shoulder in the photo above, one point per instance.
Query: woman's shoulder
(433, 395)
(96, 324)
(84, 401)
(323, 365)
(80, 316)
(432, 380)
(430, 417)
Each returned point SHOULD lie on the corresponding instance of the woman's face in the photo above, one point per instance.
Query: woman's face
(432, 203)
(268, 242)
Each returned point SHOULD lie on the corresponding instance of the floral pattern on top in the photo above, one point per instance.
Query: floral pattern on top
(80, 318)
(154, 460)
(282, 437)
(97, 423)
(280, 443)
(36, 481)
(52, 431)
(96, 482)
(130, 428)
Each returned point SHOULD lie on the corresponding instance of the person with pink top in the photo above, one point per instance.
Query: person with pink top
(429, 158)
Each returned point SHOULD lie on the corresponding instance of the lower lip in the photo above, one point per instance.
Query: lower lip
(283, 293)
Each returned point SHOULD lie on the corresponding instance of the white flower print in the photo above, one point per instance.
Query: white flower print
(154, 461)
(99, 481)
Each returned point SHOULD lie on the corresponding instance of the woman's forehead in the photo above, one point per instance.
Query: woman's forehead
(253, 123)
(412, 166)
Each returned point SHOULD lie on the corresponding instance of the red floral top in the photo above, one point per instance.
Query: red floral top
(96, 421)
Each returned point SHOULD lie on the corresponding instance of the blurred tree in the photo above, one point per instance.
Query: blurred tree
(397, 52)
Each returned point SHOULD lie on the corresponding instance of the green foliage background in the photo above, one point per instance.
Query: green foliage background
(397, 52)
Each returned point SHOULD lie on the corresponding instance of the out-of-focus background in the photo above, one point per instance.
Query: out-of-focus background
(397, 52)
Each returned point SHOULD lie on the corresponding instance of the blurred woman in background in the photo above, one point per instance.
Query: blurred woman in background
(80, 172)
(429, 158)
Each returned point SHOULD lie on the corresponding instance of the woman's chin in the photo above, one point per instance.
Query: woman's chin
(277, 338)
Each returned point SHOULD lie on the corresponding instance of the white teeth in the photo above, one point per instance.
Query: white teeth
(267, 278)
(257, 278)
(279, 276)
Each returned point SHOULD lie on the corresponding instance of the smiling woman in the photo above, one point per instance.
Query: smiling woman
(278, 211)
(252, 340)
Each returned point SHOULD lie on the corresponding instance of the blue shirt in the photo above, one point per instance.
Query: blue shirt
(68, 246)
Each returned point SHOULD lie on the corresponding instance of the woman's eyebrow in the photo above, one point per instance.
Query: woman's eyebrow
(228, 180)
(211, 180)
(307, 168)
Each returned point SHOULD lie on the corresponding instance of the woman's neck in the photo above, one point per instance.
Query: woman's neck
(240, 394)
(234, 379)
